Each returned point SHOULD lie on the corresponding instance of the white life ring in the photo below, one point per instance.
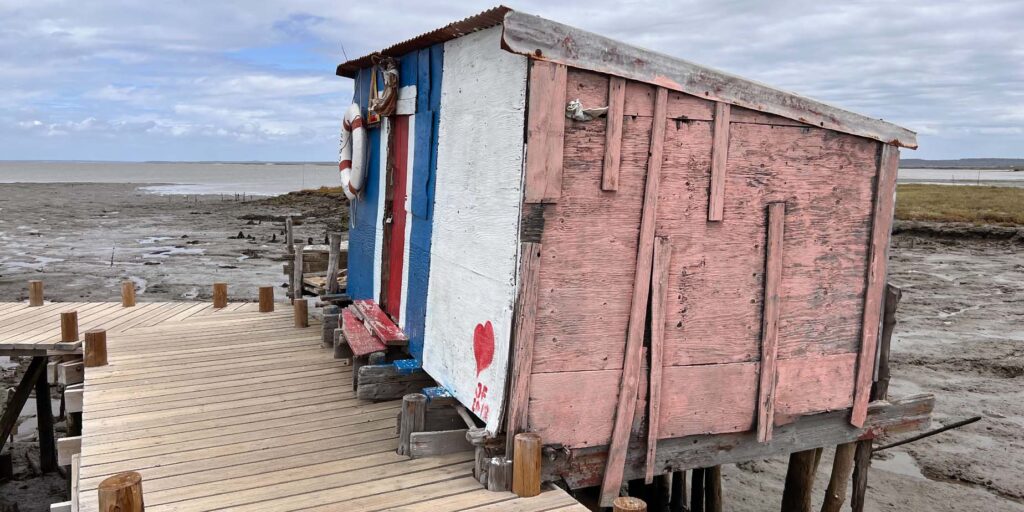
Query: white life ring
(352, 155)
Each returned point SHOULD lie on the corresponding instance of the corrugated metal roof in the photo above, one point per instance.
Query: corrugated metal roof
(486, 19)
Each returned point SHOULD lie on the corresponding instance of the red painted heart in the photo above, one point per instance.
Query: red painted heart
(483, 346)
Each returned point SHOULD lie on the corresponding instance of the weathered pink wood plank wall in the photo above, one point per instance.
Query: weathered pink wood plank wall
(713, 321)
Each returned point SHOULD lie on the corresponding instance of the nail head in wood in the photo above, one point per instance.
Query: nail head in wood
(69, 326)
(35, 293)
(526, 465)
(628, 504)
(95, 352)
(127, 293)
(220, 295)
(266, 299)
(301, 310)
(121, 493)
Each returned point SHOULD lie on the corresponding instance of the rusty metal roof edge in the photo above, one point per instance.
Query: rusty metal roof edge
(486, 19)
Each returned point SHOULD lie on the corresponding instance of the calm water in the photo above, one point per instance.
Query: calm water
(178, 178)
(988, 177)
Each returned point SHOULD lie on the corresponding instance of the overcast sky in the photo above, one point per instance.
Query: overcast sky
(251, 80)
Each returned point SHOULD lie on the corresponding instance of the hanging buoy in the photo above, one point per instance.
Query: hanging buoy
(352, 154)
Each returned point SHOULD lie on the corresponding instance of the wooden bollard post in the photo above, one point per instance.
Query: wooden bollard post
(127, 294)
(288, 237)
(301, 309)
(296, 288)
(220, 295)
(121, 493)
(414, 411)
(628, 504)
(69, 326)
(796, 496)
(35, 293)
(266, 299)
(526, 465)
(95, 351)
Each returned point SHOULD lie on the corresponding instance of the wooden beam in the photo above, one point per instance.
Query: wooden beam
(441, 442)
(64, 506)
(583, 467)
(554, 42)
(17, 401)
(659, 297)
(770, 321)
(892, 301)
(44, 424)
(545, 132)
(885, 201)
(71, 372)
(522, 343)
(632, 358)
(73, 399)
(613, 133)
(719, 159)
(66, 447)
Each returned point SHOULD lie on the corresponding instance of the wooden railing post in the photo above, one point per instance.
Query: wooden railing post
(333, 260)
(296, 289)
(628, 504)
(414, 410)
(301, 310)
(69, 326)
(526, 465)
(121, 493)
(220, 295)
(266, 299)
(127, 293)
(95, 351)
(35, 293)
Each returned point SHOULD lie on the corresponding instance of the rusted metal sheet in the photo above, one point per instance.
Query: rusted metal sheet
(543, 39)
(486, 19)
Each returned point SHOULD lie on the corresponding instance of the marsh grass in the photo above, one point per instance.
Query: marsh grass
(951, 203)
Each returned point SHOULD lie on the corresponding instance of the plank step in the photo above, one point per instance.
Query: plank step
(378, 323)
(359, 338)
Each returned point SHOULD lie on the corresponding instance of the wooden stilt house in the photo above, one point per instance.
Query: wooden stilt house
(606, 245)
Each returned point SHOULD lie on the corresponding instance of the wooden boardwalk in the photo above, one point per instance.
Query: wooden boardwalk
(235, 409)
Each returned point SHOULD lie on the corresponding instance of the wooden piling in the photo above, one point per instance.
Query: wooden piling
(301, 310)
(220, 295)
(289, 239)
(35, 293)
(69, 326)
(861, 466)
(499, 474)
(526, 465)
(628, 504)
(296, 288)
(678, 501)
(414, 412)
(697, 490)
(95, 351)
(333, 260)
(266, 299)
(842, 465)
(713, 489)
(121, 493)
(892, 301)
(796, 497)
(44, 424)
(127, 293)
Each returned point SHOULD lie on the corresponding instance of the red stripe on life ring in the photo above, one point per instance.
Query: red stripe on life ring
(356, 124)
(344, 164)
(346, 125)
(354, 191)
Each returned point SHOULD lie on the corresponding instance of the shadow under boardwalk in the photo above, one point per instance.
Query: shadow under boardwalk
(235, 409)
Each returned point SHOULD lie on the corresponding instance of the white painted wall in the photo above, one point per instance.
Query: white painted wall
(475, 243)
(382, 177)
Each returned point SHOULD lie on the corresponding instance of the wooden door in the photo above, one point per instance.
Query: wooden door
(395, 218)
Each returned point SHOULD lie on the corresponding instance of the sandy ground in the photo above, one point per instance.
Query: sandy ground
(960, 333)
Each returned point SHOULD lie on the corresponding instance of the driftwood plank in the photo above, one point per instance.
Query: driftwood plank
(525, 330)
(719, 158)
(613, 133)
(885, 201)
(638, 312)
(539, 38)
(659, 291)
(545, 131)
(770, 321)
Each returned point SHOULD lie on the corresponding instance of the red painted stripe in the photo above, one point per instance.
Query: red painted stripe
(345, 164)
(396, 247)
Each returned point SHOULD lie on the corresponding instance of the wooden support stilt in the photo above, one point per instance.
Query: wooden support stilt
(69, 326)
(333, 262)
(44, 422)
(678, 501)
(892, 301)
(499, 474)
(289, 237)
(697, 490)
(660, 492)
(796, 497)
(301, 310)
(713, 489)
(842, 465)
(220, 295)
(628, 504)
(121, 493)
(526, 465)
(35, 293)
(861, 466)
(95, 351)
(127, 293)
(414, 409)
(6, 466)
(266, 299)
(341, 348)
(296, 288)
(17, 402)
